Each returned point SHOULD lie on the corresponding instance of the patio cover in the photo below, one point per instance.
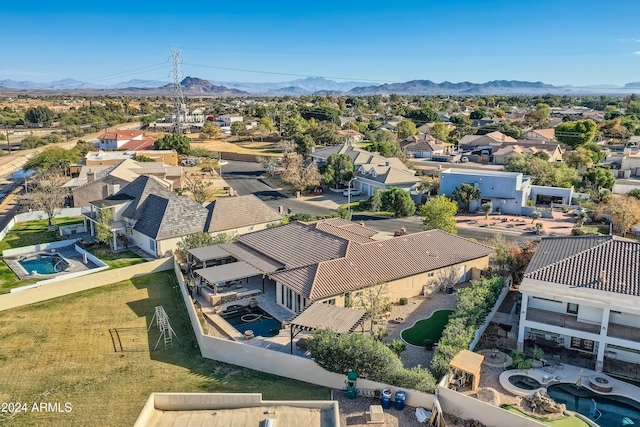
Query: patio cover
(209, 252)
(318, 316)
(469, 362)
(227, 272)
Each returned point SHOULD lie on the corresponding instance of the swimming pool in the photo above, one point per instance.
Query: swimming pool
(44, 264)
(606, 411)
(524, 382)
(245, 318)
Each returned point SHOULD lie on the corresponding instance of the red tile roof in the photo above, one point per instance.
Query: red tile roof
(146, 143)
(121, 135)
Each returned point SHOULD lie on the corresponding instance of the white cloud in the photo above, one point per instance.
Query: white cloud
(637, 52)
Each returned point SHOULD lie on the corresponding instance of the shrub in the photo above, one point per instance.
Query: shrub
(404, 301)
(370, 358)
(428, 344)
(397, 347)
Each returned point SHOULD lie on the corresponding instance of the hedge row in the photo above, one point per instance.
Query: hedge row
(472, 306)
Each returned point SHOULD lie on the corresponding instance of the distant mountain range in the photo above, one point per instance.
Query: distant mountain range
(193, 86)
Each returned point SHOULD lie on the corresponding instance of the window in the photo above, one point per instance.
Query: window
(297, 305)
(431, 274)
(580, 344)
(152, 245)
(572, 308)
(282, 291)
(331, 301)
(289, 298)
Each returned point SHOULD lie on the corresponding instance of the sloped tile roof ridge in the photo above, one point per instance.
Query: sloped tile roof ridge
(599, 241)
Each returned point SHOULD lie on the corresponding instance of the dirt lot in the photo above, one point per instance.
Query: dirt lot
(560, 225)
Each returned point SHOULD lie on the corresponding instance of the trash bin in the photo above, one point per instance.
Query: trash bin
(352, 377)
(385, 398)
(401, 396)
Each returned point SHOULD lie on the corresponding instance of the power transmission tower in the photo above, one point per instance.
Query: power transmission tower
(178, 97)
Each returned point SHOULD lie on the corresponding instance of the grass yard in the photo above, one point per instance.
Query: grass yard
(355, 207)
(27, 234)
(117, 259)
(62, 350)
(570, 421)
(427, 329)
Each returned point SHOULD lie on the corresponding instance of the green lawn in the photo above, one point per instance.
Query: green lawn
(27, 234)
(570, 421)
(427, 329)
(117, 259)
(62, 350)
(355, 207)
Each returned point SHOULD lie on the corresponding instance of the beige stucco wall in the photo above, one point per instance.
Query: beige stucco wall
(73, 285)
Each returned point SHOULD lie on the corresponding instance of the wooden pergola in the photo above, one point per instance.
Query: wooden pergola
(470, 363)
(318, 316)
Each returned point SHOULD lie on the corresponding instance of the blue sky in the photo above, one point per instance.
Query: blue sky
(558, 42)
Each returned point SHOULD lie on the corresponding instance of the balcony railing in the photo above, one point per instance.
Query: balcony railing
(624, 332)
(562, 320)
(89, 213)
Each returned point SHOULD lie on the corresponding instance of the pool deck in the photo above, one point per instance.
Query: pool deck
(571, 375)
(74, 259)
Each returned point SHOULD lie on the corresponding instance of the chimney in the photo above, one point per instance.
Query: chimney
(91, 176)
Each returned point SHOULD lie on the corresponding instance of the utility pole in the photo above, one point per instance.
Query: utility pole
(6, 130)
(178, 97)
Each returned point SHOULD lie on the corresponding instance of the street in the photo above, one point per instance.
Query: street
(244, 178)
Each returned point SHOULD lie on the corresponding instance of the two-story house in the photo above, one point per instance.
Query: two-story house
(581, 296)
(125, 139)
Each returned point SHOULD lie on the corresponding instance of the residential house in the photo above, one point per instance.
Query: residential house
(425, 146)
(351, 136)
(371, 170)
(332, 260)
(508, 192)
(489, 139)
(95, 182)
(544, 135)
(125, 139)
(147, 214)
(504, 151)
(100, 158)
(225, 120)
(581, 296)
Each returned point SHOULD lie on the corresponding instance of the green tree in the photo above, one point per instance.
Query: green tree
(398, 201)
(406, 128)
(192, 241)
(576, 133)
(486, 208)
(83, 147)
(103, 227)
(178, 142)
(388, 149)
(374, 203)
(598, 178)
(304, 144)
(465, 194)
(579, 159)
(39, 115)
(211, 130)
(440, 131)
(32, 141)
(338, 170)
(634, 193)
(440, 213)
(326, 133)
(381, 136)
(478, 114)
(52, 157)
(238, 129)
(142, 159)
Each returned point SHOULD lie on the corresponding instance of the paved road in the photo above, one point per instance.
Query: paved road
(244, 178)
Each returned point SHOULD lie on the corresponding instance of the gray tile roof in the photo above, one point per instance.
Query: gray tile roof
(554, 249)
(604, 263)
(160, 213)
(235, 212)
(382, 261)
(296, 244)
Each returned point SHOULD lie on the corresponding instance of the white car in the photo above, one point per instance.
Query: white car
(353, 191)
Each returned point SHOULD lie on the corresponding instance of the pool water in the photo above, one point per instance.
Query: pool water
(44, 264)
(605, 410)
(246, 318)
(524, 382)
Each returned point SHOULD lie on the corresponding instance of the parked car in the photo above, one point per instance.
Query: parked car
(353, 191)
(318, 190)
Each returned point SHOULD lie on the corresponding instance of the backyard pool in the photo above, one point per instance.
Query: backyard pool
(524, 382)
(245, 318)
(44, 264)
(606, 411)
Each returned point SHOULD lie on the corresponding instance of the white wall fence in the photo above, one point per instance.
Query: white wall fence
(37, 248)
(279, 363)
(7, 228)
(485, 324)
(36, 215)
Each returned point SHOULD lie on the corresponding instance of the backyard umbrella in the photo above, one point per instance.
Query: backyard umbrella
(579, 380)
